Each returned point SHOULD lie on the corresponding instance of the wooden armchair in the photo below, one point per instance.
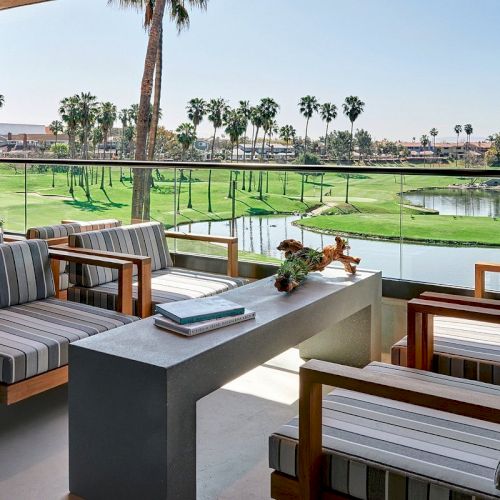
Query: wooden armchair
(309, 483)
(157, 279)
(480, 270)
(34, 357)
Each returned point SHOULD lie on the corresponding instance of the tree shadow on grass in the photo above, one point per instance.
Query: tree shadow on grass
(90, 206)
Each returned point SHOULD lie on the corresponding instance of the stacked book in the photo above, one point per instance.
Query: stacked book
(194, 316)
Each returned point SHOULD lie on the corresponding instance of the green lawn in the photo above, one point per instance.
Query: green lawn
(422, 228)
(373, 206)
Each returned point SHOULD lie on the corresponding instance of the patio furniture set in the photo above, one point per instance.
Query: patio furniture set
(426, 426)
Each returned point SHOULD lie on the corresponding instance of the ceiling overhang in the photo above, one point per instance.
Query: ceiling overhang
(9, 4)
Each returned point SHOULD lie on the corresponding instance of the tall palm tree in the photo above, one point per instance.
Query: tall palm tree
(245, 110)
(235, 124)
(287, 134)
(106, 117)
(468, 130)
(56, 127)
(153, 20)
(457, 129)
(68, 110)
(186, 135)
(424, 141)
(216, 109)
(308, 105)
(268, 109)
(434, 132)
(328, 113)
(196, 110)
(353, 106)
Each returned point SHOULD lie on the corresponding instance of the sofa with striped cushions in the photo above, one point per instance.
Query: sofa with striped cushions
(35, 327)
(376, 448)
(63, 230)
(96, 286)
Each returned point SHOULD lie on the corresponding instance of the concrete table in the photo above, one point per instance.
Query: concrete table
(133, 391)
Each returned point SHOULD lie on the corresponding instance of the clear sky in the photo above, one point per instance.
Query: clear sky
(416, 64)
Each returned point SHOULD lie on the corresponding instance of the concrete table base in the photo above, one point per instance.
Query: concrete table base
(133, 391)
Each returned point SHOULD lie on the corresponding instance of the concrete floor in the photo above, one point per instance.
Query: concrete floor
(233, 428)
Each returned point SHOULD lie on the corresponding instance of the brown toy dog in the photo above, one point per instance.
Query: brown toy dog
(290, 247)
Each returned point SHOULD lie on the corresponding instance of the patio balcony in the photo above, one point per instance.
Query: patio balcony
(389, 220)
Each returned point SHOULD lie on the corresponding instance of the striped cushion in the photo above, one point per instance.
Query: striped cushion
(139, 239)
(376, 448)
(25, 273)
(34, 337)
(56, 231)
(62, 230)
(1, 235)
(462, 348)
(168, 285)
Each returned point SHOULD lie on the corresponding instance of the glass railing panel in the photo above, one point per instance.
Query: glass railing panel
(456, 223)
(12, 196)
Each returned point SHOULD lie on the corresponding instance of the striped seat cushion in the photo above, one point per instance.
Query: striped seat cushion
(378, 449)
(167, 285)
(34, 337)
(147, 239)
(462, 348)
(25, 273)
(62, 230)
(1, 235)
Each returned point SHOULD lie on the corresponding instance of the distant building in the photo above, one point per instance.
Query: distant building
(23, 137)
(21, 128)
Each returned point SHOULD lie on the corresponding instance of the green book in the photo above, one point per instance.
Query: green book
(194, 310)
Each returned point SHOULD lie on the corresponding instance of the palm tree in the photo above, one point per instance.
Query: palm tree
(154, 13)
(106, 117)
(69, 114)
(468, 130)
(328, 112)
(56, 127)
(457, 129)
(308, 105)
(268, 109)
(256, 120)
(424, 140)
(353, 106)
(186, 135)
(245, 111)
(216, 109)
(287, 133)
(434, 132)
(123, 116)
(196, 110)
(235, 124)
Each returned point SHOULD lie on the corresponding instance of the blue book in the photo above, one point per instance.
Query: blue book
(194, 310)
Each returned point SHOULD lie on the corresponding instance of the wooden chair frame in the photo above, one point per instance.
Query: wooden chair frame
(314, 374)
(420, 323)
(480, 269)
(12, 393)
(230, 241)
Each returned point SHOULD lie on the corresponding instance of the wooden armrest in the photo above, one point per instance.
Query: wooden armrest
(420, 326)
(315, 373)
(143, 263)
(124, 268)
(480, 269)
(460, 299)
(230, 241)
(11, 238)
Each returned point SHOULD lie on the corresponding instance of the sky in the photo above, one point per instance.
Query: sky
(416, 64)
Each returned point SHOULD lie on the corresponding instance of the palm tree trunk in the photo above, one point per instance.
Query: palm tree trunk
(140, 181)
(156, 99)
(110, 177)
(190, 199)
(302, 188)
(210, 174)
(102, 179)
(181, 174)
(350, 161)
(229, 192)
(326, 138)
(305, 138)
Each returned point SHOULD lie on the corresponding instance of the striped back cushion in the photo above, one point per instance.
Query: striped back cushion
(1, 235)
(146, 239)
(57, 231)
(25, 273)
(62, 230)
